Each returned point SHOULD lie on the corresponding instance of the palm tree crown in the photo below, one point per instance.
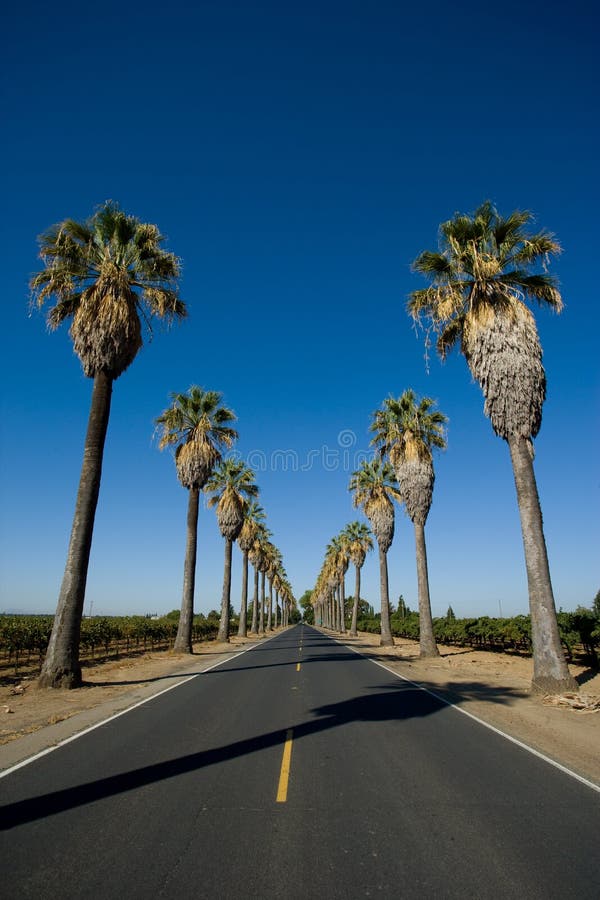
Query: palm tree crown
(258, 552)
(479, 280)
(375, 486)
(254, 515)
(103, 273)
(198, 424)
(230, 485)
(406, 430)
(359, 541)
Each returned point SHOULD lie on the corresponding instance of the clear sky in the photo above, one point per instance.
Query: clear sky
(297, 156)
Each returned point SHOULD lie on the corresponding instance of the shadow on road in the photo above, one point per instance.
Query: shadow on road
(392, 703)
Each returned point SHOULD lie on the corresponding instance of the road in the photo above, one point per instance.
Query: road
(298, 769)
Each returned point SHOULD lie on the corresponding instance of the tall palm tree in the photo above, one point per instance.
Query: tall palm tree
(256, 556)
(274, 561)
(103, 275)
(199, 425)
(288, 602)
(359, 541)
(375, 488)
(406, 430)
(277, 585)
(486, 267)
(254, 514)
(231, 486)
(339, 557)
(267, 562)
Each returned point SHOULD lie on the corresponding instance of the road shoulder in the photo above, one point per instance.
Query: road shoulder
(494, 687)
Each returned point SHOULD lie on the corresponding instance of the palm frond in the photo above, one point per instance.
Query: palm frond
(103, 263)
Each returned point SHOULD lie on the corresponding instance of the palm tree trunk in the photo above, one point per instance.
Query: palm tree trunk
(244, 603)
(353, 630)
(61, 667)
(550, 671)
(223, 633)
(343, 605)
(254, 626)
(427, 644)
(270, 607)
(276, 609)
(261, 621)
(386, 632)
(183, 640)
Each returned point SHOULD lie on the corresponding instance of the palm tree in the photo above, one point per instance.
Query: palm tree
(375, 487)
(406, 430)
(198, 424)
(267, 566)
(103, 274)
(254, 514)
(256, 555)
(288, 602)
(359, 541)
(339, 558)
(231, 486)
(277, 584)
(486, 268)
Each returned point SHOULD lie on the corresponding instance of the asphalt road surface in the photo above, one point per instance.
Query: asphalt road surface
(298, 769)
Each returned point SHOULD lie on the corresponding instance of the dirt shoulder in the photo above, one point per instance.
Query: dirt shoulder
(495, 687)
(33, 719)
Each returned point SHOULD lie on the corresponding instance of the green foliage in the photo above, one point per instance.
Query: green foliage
(368, 620)
(365, 610)
(305, 603)
(308, 616)
(24, 637)
(403, 609)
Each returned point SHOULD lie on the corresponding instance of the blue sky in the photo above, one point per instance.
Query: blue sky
(297, 157)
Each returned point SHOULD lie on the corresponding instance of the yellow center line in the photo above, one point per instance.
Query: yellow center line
(284, 775)
(297, 667)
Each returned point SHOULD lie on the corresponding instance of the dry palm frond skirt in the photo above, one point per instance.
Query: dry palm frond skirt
(504, 355)
(380, 513)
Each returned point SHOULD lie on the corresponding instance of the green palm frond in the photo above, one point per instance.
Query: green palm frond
(433, 264)
(374, 479)
(231, 477)
(408, 426)
(197, 414)
(449, 335)
(114, 249)
(483, 260)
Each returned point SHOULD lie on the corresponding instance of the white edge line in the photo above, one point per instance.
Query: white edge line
(485, 724)
(74, 737)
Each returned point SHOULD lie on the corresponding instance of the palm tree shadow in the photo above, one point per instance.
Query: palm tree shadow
(394, 703)
(134, 681)
(308, 660)
(586, 675)
(459, 693)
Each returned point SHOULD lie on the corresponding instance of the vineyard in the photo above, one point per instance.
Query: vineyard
(579, 632)
(24, 639)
